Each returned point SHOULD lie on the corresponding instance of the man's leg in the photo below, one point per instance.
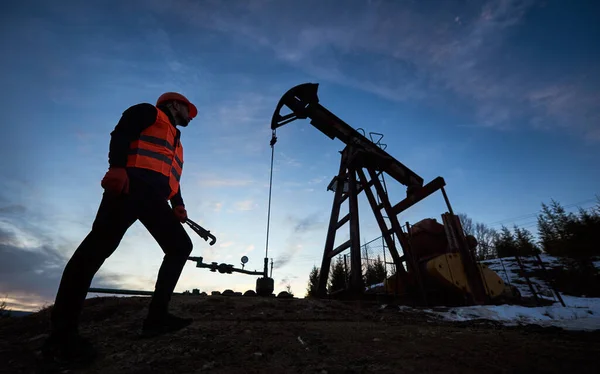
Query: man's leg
(115, 215)
(157, 216)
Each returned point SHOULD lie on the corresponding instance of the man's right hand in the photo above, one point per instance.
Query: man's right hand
(116, 181)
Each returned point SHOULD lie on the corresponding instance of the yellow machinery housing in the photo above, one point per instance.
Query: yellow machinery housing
(448, 270)
(443, 268)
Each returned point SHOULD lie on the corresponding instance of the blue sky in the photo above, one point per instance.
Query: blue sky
(499, 97)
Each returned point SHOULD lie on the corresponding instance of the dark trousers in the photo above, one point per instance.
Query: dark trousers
(115, 215)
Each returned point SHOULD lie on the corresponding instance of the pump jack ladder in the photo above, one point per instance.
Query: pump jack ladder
(361, 153)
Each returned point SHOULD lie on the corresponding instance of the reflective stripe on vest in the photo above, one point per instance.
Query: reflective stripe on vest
(156, 150)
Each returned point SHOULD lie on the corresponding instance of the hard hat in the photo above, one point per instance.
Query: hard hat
(177, 96)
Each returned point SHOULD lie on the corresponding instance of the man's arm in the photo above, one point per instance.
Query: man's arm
(177, 199)
(133, 121)
(178, 207)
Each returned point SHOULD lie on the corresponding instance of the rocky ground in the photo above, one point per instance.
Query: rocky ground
(239, 334)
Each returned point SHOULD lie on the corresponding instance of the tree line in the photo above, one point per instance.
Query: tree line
(339, 275)
(560, 234)
(572, 236)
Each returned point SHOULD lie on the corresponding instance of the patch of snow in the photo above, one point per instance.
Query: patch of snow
(509, 270)
(592, 303)
(580, 314)
(374, 286)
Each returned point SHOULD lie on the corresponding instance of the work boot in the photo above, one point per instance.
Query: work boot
(161, 324)
(67, 351)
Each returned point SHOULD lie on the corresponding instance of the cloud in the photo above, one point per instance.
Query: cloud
(287, 280)
(408, 51)
(558, 104)
(288, 161)
(13, 236)
(238, 124)
(32, 260)
(224, 182)
(242, 110)
(593, 135)
(299, 228)
(30, 275)
(246, 205)
(13, 209)
(318, 180)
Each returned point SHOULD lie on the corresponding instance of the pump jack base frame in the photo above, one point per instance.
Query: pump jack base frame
(347, 185)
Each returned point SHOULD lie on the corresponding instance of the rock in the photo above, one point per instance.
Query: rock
(208, 365)
(38, 337)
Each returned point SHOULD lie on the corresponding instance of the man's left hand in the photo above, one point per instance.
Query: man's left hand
(180, 213)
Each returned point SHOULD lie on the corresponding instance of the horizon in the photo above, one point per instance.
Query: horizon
(499, 98)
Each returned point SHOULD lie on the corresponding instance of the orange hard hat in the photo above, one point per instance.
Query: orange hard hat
(179, 97)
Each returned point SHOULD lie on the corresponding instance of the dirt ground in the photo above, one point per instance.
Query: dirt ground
(239, 334)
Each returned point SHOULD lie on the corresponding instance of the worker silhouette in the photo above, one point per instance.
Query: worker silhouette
(145, 166)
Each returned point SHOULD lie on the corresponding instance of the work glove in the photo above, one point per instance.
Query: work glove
(116, 181)
(180, 213)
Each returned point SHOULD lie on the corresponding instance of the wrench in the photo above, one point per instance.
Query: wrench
(204, 234)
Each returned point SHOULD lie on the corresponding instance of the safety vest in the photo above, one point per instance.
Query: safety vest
(158, 150)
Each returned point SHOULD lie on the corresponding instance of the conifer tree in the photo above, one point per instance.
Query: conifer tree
(505, 243)
(338, 275)
(313, 281)
(569, 235)
(375, 272)
(524, 242)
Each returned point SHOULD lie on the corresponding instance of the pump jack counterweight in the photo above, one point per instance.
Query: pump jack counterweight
(413, 270)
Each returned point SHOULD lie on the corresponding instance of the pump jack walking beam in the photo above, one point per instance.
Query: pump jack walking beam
(304, 102)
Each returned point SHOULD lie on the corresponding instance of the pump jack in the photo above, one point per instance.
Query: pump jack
(361, 154)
